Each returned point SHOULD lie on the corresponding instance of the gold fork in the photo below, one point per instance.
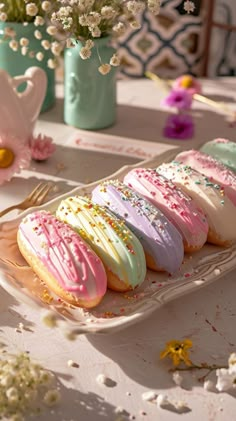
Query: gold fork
(35, 198)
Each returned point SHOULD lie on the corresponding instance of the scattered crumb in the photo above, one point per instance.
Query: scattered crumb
(143, 413)
(49, 318)
(149, 396)
(72, 363)
(179, 407)
(106, 381)
(177, 378)
(209, 385)
(217, 272)
(119, 410)
(70, 335)
(199, 282)
(128, 393)
(163, 402)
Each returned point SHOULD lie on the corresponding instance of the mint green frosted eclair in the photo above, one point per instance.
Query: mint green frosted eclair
(222, 149)
(119, 249)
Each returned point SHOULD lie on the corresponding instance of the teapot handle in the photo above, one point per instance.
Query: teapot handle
(32, 97)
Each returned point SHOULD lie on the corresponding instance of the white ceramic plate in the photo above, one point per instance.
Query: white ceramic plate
(117, 310)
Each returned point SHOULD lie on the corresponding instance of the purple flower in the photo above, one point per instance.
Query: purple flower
(178, 98)
(179, 126)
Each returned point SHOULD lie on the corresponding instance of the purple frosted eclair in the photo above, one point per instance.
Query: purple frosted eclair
(162, 243)
(177, 206)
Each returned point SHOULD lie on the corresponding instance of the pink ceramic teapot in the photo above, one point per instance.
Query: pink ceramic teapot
(19, 111)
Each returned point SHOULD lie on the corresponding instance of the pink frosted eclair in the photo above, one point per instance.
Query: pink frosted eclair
(213, 169)
(219, 209)
(59, 256)
(178, 207)
(119, 249)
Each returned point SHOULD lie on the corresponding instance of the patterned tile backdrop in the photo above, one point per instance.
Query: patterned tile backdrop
(169, 44)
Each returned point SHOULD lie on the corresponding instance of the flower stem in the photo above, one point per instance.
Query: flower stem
(192, 367)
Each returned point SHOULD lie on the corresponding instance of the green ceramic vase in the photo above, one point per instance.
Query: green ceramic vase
(90, 97)
(16, 64)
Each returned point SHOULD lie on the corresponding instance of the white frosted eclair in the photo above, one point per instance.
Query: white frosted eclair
(218, 208)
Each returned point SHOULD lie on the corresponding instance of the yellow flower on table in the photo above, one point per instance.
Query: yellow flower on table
(177, 351)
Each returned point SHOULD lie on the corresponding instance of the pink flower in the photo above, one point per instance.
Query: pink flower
(178, 98)
(179, 126)
(14, 156)
(188, 83)
(41, 147)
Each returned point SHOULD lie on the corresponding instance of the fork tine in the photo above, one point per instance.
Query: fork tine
(38, 187)
(44, 192)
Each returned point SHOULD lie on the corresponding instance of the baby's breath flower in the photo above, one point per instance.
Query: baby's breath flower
(189, 6)
(13, 44)
(89, 44)
(51, 30)
(95, 32)
(46, 6)
(135, 7)
(24, 386)
(154, 6)
(31, 9)
(3, 17)
(52, 397)
(39, 56)
(119, 28)
(77, 20)
(56, 48)
(104, 68)
(115, 60)
(24, 42)
(46, 44)
(108, 12)
(38, 34)
(9, 32)
(39, 21)
(85, 53)
(52, 63)
(134, 24)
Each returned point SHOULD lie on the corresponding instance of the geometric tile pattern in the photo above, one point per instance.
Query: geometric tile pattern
(169, 44)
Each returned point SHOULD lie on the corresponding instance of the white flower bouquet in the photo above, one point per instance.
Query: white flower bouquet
(69, 21)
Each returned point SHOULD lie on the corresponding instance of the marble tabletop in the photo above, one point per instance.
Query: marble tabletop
(129, 357)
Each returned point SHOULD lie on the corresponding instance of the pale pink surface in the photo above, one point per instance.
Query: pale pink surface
(65, 254)
(212, 168)
(195, 88)
(41, 147)
(22, 156)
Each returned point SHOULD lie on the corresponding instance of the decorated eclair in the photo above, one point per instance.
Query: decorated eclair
(219, 209)
(213, 169)
(223, 150)
(62, 259)
(118, 248)
(178, 207)
(162, 243)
